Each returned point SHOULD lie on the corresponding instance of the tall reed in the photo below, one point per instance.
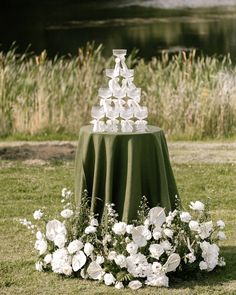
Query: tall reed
(189, 97)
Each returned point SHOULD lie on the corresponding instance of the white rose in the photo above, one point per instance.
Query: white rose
(156, 233)
(95, 271)
(185, 217)
(119, 285)
(100, 259)
(194, 225)
(66, 213)
(39, 235)
(205, 229)
(220, 224)
(109, 279)
(157, 280)
(78, 260)
(129, 228)
(94, 222)
(156, 250)
(112, 255)
(38, 214)
(119, 228)
(191, 257)
(221, 235)
(53, 228)
(198, 206)
(48, 258)
(60, 240)
(168, 232)
(67, 270)
(203, 265)
(88, 249)
(75, 246)
(120, 260)
(156, 267)
(132, 248)
(166, 245)
(140, 235)
(135, 285)
(41, 246)
(39, 266)
(90, 229)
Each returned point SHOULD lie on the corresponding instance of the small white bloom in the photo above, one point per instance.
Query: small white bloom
(168, 232)
(93, 222)
(109, 279)
(191, 257)
(205, 229)
(135, 285)
(38, 214)
(100, 259)
(203, 265)
(53, 228)
(156, 250)
(78, 260)
(90, 229)
(39, 235)
(198, 206)
(221, 262)
(221, 235)
(220, 224)
(67, 213)
(63, 192)
(129, 228)
(67, 270)
(48, 258)
(156, 267)
(60, 240)
(185, 217)
(75, 246)
(119, 228)
(132, 248)
(140, 235)
(194, 225)
(111, 255)
(41, 246)
(120, 260)
(166, 245)
(88, 249)
(156, 233)
(119, 285)
(39, 266)
(95, 271)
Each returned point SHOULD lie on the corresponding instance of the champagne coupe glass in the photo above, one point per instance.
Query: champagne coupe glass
(141, 113)
(111, 73)
(97, 112)
(127, 73)
(121, 53)
(126, 113)
(134, 93)
(104, 92)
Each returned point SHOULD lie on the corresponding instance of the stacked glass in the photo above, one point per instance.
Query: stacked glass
(119, 109)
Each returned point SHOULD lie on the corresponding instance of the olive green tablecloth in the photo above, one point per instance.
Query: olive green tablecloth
(120, 168)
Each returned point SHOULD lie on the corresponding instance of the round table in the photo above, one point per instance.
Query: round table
(120, 168)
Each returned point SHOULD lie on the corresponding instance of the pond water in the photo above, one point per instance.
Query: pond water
(148, 25)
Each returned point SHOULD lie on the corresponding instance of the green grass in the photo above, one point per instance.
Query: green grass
(26, 188)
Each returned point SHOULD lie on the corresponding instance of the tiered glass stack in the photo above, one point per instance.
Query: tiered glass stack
(119, 109)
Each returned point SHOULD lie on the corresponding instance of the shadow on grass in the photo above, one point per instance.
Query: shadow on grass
(219, 276)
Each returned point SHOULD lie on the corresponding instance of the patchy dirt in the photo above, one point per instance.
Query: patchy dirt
(39, 153)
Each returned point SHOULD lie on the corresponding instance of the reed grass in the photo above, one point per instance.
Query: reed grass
(189, 97)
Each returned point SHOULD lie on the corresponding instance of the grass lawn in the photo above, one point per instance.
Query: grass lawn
(25, 188)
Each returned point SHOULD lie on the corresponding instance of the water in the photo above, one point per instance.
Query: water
(149, 25)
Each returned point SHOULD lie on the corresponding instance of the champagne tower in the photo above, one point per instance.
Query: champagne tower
(119, 109)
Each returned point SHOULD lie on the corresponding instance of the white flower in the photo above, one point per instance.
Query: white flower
(146, 222)
(48, 258)
(111, 255)
(203, 265)
(39, 266)
(90, 229)
(119, 285)
(53, 228)
(63, 192)
(132, 248)
(156, 233)
(75, 246)
(60, 258)
(109, 279)
(135, 285)
(166, 245)
(120, 260)
(137, 265)
(140, 235)
(39, 235)
(119, 228)
(38, 214)
(185, 217)
(41, 246)
(93, 222)
(168, 232)
(88, 249)
(220, 224)
(205, 229)
(78, 260)
(156, 267)
(210, 254)
(198, 206)
(157, 280)
(67, 270)
(100, 259)
(221, 262)
(156, 250)
(129, 228)
(221, 235)
(67, 213)
(157, 216)
(95, 271)
(191, 257)
(194, 225)
(60, 240)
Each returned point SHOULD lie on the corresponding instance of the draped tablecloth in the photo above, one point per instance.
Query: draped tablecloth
(120, 168)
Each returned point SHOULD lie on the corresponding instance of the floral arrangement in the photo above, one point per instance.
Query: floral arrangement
(141, 253)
